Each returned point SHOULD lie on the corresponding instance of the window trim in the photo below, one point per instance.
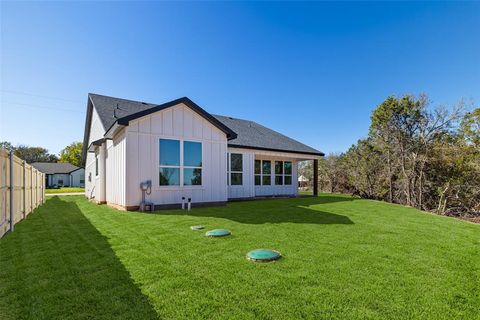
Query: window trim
(273, 175)
(262, 174)
(229, 171)
(283, 174)
(181, 166)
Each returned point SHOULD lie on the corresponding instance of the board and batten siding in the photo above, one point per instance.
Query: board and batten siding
(249, 189)
(96, 132)
(115, 169)
(76, 178)
(142, 156)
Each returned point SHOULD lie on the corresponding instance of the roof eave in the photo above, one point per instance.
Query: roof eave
(186, 101)
(318, 154)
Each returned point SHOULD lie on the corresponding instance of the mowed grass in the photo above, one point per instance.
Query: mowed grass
(64, 190)
(343, 258)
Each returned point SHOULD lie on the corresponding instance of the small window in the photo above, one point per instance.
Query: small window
(192, 177)
(279, 180)
(192, 154)
(169, 152)
(236, 179)
(266, 180)
(288, 180)
(266, 172)
(169, 176)
(279, 173)
(287, 172)
(278, 167)
(258, 172)
(236, 162)
(82, 180)
(60, 181)
(236, 169)
(96, 165)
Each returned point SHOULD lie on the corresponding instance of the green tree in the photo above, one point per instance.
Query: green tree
(6, 146)
(34, 154)
(72, 154)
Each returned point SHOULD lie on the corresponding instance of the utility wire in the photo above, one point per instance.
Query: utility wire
(40, 96)
(40, 107)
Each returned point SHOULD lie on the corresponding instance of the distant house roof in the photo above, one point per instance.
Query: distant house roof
(55, 167)
(241, 133)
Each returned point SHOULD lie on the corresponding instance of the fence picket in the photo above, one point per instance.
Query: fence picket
(14, 190)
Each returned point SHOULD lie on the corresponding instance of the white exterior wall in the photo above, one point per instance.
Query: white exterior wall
(142, 156)
(115, 170)
(76, 176)
(96, 132)
(246, 190)
(249, 189)
(60, 176)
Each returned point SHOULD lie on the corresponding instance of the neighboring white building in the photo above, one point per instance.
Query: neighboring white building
(185, 152)
(61, 174)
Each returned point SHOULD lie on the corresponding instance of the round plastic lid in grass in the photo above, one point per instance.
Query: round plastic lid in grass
(263, 255)
(218, 233)
(197, 227)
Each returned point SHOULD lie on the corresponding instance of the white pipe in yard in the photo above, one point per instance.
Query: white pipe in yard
(189, 204)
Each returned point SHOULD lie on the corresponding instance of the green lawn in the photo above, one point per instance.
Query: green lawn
(343, 258)
(64, 190)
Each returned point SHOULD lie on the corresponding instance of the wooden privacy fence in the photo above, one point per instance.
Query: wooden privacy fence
(22, 189)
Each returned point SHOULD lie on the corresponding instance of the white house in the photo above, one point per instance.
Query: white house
(185, 152)
(61, 174)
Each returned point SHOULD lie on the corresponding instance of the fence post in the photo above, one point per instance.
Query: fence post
(31, 189)
(12, 190)
(42, 178)
(24, 189)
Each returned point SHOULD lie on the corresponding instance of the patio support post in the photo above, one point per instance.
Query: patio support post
(315, 177)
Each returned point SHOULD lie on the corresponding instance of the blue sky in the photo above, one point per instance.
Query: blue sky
(313, 71)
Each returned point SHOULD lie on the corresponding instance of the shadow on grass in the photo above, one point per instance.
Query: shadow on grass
(56, 265)
(293, 210)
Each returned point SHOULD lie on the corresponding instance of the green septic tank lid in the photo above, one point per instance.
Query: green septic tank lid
(218, 233)
(263, 255)
(197, 227)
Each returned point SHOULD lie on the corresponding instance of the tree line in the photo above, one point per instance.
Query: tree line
(415, 154)
(70, 154)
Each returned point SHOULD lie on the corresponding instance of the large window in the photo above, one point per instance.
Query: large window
(236, 169)
(171, 166)
(263, 171)
(283, 172)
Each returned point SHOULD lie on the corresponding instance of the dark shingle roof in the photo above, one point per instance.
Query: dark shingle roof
(54, 167)
(114, 110)
(253, 135)
(109, 112)
(242, 133)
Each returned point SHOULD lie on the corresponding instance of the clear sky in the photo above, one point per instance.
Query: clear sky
(313, 71)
